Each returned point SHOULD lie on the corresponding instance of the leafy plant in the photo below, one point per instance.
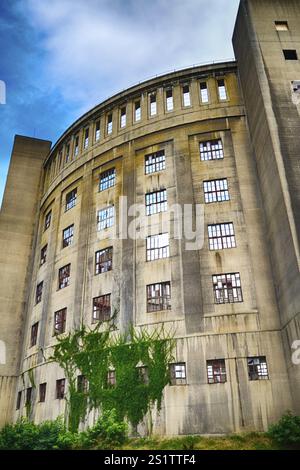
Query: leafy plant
(287, 430)
(108, 432)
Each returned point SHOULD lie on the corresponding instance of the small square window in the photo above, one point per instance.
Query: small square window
(216, 371)
(68, 235)
(107, 179)
(281, 26)
(178, 374)
(105, 218)
(257, 368)
(290, 54)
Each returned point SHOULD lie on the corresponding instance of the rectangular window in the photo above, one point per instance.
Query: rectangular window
(97, 131)
(47, 220)
(39, 292)
(76, 146)
(157, 246)
(43, 255)
(64, 276)
(111, 378)
(281, 26)
(68, 235)
(290, 54)
(43, 388)
(222, 90)
(86, 138)
(211, 150)
(137, 111)
(153, 104)
(216, 191)
(178, 373)
(34, 334)
(257, 368)
(71, 198)
(216, 371)
(60, 321)
(28, 395)
(204, 92)
(82, 384)
(227, 288)
(221, 236)
(106, 218)
(123, 117)
(103, 260)
(159, 296)
(143, 374)
(60, 389)
(186, 95)
(107, 179)
(169, 99)
(156, 202)
(155, 162)
(19, 399)
(101, 308)
(109, 124)
(296, 86)
(67, 156)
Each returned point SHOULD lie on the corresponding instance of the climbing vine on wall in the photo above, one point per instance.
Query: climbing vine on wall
(139, 359)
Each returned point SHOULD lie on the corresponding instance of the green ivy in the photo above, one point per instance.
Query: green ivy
(93, 352)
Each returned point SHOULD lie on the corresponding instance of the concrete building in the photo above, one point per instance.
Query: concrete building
(225, 136)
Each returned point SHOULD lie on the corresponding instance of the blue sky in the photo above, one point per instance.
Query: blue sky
(61, 57)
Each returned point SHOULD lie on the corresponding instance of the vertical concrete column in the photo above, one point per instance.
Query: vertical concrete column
(18, 219)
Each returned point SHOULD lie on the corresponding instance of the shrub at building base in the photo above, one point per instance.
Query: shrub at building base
(287, 430)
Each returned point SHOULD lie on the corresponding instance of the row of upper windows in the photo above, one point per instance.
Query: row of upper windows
(92, 134)
(215, 370)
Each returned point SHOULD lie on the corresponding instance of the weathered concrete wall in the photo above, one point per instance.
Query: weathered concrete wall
(18, 218)
(274, 124)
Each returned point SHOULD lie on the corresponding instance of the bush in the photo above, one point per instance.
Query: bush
(25, 435)
(287, 430)
(106, 433)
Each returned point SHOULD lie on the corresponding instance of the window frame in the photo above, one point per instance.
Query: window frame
(164, 297)
(107, 179)
(68, 241)
(216, 371)
(222, 90)
(254, 372)
(155, 162)
(42, 392)
(106, 264)
(221, 236)
(108, 221)
(204, 94)
(214, 192)
(186, 96)
(160, 251)
(60, 389)
(60, 319)
(71, 199)
(34, 334)
(47, 221)
(181, 378)
(224, 295)
(211, 150)
(39, 292)
(63, 278)
(103, 311)
(158, 205)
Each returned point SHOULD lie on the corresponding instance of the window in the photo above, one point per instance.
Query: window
(227, 288)
(156, 202)
(47, 220)
(216, 191)
(169, 99)
(221, 236)
(281, 26)
(107, 179)
(34, 333)
(64, 276)
(157, 246)
(105, 218)
(68, 235)
(296, 86)
(67, 156)
(257, 368)
(43, 255)
(97, 131)
(123, 117)
(71, 199)
(290, 54)
(60, 389)
(76, 146)
(153, 104)
(211, 150)
(109, 124)
(155, 162)
(178, 374)
(19, 399)
(103, 260)
(101, 308)
(43, 388)
(39, 292)
(28, 395)
(204, 92)
(216, 371)
(143, 374)
(158, 296)
(137, 111)
(186, 95)
(60, 321)
(86, 138)
(82, 384)
(111, 378)
(222, 90)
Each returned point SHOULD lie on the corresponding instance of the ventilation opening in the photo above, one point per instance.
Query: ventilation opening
(290, 54)
(281, 26)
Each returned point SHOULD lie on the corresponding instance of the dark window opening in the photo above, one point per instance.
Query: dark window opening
(257, 368)
(60, 321)
(43, 388)
(103, 260)
(101, 308)
(60, 389)
(216, 371)
(290, 54)
(34, 333)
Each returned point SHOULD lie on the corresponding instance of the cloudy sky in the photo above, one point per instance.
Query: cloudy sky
(61, 57)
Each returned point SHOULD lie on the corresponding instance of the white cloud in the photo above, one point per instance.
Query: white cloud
(96, 47)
